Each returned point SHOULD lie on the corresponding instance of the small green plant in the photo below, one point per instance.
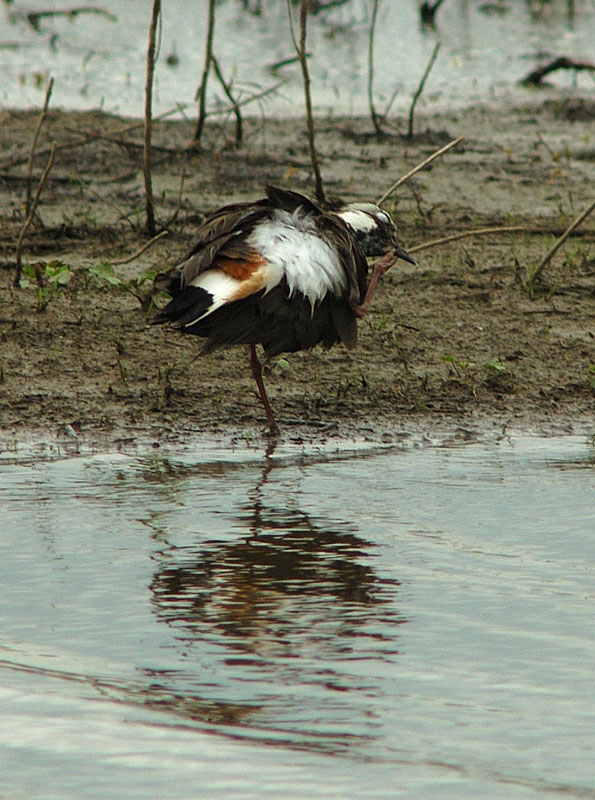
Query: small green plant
(284, 364)
(49, 277)
(497, 366)
(104, 273)
(460, 367)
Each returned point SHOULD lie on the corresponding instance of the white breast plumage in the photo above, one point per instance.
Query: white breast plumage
(295, 250)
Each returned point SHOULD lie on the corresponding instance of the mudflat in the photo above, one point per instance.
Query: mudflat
(458, 340)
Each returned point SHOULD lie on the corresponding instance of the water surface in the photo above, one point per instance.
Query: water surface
(309, 622)
(99, 62)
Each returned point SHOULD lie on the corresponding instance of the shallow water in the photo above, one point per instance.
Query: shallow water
(486, 48)
(308, 622)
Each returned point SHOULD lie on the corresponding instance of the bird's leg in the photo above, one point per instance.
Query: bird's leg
(380, 267)
(257, 372)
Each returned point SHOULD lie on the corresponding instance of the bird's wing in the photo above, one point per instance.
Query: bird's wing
(222, 228)
(286, 200)
(351, 257)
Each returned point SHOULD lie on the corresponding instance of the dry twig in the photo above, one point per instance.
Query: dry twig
(42, 116)
(417, 168)
(239, 103)
(140, 251)
(538, 269)
(420, 88)
(150, 206)
(535, 77)
(455, 236)
(201, 92)
(303, 57)
(25, 228)
(373, 113)
(234, 103)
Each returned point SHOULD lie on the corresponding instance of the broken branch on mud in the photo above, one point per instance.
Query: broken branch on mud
(21, 157)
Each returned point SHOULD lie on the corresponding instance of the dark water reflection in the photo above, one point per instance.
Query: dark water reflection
(284, 614)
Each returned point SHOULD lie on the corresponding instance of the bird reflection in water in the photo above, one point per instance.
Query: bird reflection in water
(293, 602)
(261, 590)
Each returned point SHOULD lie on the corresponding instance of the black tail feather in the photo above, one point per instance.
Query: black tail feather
(192, 303)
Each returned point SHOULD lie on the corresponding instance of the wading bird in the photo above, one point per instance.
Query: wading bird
(280, 272)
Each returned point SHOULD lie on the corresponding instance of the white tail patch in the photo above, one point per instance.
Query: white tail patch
(220, 286)
(225, 289)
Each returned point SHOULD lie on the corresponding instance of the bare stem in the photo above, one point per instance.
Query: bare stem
(25, 228)
(239, 103)
(234, 103)
(455, 236)
(303, 57)
(140, 251)
(42, 116)
(373, 113)
(150, 223)
(201, 92)
(420, 166)
(538, 269)
(420, 88)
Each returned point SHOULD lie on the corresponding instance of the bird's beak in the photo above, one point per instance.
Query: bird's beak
(400, 253)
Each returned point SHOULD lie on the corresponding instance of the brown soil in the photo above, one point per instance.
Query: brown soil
(456, 340)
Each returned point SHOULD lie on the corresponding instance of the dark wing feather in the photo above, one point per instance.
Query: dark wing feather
(224, 225)
(287, 200)
(351, 257)
(279, 322)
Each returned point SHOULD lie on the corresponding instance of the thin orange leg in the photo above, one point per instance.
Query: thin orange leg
(257, 372)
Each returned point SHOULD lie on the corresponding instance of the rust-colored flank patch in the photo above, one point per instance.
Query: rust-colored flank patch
(240, 267)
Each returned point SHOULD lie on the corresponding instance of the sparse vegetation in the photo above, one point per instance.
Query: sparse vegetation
(501, 322)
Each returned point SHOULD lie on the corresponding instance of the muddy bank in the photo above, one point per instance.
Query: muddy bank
(455, 341)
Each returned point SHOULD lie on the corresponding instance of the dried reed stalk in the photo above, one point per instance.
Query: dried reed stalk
(42, 116)
(417, 168)
(29, 220)
(149, 202)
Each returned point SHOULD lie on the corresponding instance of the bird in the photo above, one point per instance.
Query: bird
(283, 272)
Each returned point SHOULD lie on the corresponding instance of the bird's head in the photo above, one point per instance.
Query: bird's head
(374, 230)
